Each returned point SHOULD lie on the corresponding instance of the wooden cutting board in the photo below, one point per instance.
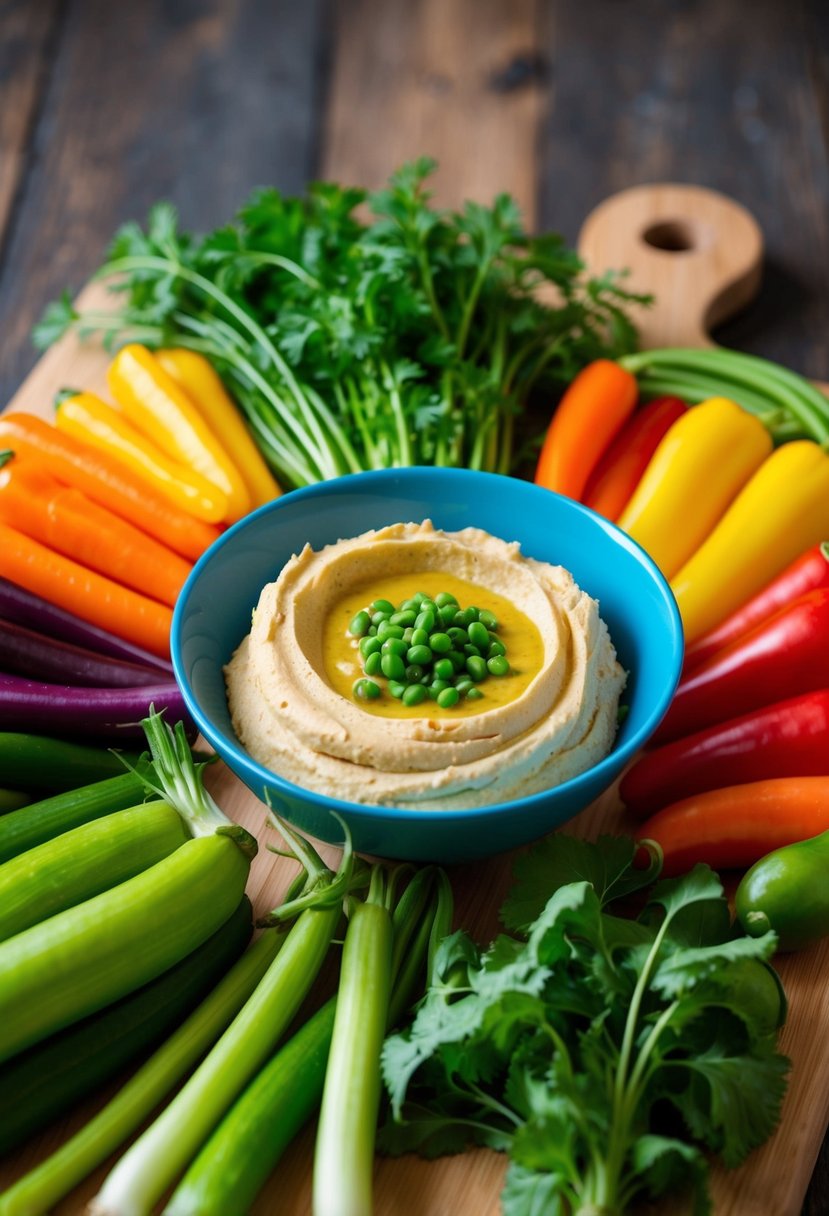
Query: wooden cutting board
(700, 253)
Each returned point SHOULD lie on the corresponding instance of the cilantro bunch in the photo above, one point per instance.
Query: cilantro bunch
(604, 1054)
(415, 337)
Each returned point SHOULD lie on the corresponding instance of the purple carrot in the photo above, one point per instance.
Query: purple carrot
(23, 607)
(43, 658)
(61, 709)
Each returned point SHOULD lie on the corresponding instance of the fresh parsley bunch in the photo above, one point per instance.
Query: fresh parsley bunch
(413, 338)
(603, 1054)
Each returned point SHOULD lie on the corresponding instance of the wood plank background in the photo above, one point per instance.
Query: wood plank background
(105, 108)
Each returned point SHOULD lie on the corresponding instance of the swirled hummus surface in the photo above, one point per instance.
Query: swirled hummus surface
(556, 718)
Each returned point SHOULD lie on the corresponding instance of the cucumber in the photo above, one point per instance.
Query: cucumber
(85, 861)
(40, 821)
(50, 1078)
(75, 963)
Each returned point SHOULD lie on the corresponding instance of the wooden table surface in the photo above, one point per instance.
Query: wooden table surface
(105, 108)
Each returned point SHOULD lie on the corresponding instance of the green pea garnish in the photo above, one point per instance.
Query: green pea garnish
(476, 667)
(479, 635)
(414, 694)
(448, 697)
(360, 624)
(427, 646)
(366, 690)
(419, 654)
(392, 666)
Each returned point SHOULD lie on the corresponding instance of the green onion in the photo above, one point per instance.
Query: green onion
(158, 1157)
(778, 396)
(235, 1163)
(39, 1190)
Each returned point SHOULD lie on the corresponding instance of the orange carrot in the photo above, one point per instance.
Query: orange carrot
(732, 828)
(93, 598)
(590, 414)
(65, 520)
(107, 481)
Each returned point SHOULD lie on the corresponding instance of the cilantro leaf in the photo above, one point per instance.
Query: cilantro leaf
(558, 860)
(569, 1043)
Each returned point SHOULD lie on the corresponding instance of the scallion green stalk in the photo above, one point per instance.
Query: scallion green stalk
(236, 1161)
(39, 1190)
(160, 1155)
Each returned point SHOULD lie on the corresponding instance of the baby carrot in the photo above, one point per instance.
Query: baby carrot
(107, 481)
(590, 414)
(88, 595)
(65, 520)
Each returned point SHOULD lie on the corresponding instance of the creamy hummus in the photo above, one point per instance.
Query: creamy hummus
(291, 718)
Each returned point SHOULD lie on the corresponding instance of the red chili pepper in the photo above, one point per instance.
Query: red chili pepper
(619, 471)
(787, 739)
(809, 572)
(734, 827)
(782, 657)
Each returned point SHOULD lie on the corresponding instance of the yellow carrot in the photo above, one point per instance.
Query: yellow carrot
(155, 403)
(195, 375)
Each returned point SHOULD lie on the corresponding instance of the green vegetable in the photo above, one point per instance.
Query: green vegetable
(413, 339)
(160, 1154)
(53, 1076)
(39, 1190)
(37, 762)
(41, 821)
(234, 1164)
(83, 862)
(427, 663)
(787, 404)
(786, 891)
(65, 968)
(344, 1155)
(13, 800)
(605, 1055)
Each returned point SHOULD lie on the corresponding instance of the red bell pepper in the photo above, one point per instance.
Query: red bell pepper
(809, 572)
(784, 656)
(619, 471)
(787, 739)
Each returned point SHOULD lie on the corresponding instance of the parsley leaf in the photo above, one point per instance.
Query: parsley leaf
(417, 337)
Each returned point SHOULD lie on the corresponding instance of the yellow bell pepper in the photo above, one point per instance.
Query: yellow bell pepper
(155, 403)
(703, 461)
(90, 419)
(781, 512)
(195, 375)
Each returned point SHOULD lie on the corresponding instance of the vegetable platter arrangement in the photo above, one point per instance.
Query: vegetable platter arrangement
(623, 1026)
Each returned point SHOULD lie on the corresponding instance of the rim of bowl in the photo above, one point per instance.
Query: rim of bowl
(360, 810)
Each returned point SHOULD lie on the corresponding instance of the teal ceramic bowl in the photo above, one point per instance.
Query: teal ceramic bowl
(213, 615)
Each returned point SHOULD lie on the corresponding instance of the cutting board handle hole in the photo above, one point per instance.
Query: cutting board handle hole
(671, 236)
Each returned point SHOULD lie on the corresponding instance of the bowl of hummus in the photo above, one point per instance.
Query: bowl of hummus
(454, 662)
